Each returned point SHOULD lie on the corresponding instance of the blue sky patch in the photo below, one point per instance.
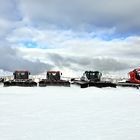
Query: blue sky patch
(30, 44)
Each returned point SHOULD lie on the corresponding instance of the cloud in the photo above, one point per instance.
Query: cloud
(89, 63)
(85, 15)
(9, 10)
(11, 61)
(78, 35)
(82, 54)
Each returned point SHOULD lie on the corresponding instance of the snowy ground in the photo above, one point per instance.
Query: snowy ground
(58, 113)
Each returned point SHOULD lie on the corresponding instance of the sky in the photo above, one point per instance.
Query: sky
(69, 35)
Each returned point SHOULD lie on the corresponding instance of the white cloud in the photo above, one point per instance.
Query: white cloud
(69, 34)
(69, 50)
(87, 15)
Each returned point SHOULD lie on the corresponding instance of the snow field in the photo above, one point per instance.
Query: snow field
(63, 113)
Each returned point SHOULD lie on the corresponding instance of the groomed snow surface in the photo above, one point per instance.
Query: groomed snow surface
(63, 113)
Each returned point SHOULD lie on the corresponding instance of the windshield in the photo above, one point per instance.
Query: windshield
(138, 75)
(53, 76)
(92, 75)
(21, 75)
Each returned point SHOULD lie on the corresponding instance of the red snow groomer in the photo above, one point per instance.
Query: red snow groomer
(21, 78)
(53, 78)
(134, 76)
(134, 79)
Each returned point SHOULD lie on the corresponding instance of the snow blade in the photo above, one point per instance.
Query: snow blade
(101, 84)
(44, 83)
(20, 83)
(127, 84)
